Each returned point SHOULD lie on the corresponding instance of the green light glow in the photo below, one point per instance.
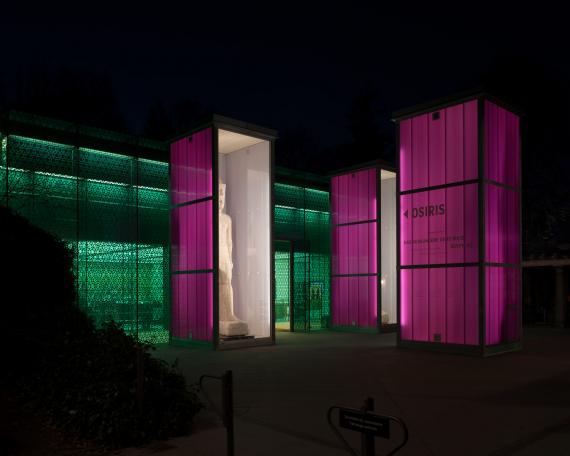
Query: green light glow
(118, 230)
(302, 217)
(282, 287)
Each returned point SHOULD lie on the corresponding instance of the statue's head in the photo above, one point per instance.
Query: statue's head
(221, 195)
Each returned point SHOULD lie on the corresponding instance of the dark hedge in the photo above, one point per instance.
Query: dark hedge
(98, 383)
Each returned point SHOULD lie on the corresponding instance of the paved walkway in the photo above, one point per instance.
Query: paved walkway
(515, 404)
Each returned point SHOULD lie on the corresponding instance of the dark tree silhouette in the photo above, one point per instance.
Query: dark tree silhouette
(72, 94)
(543, 95)
(164, 122)
(296, 149)
(364, 125)
(158, 124)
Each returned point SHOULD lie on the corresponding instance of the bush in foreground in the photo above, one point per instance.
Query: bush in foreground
(98, 383)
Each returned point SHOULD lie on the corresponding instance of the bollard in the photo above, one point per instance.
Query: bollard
(228, 409)
(367, 440)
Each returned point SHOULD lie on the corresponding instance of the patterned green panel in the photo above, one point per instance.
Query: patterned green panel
(41, 185)
(117, 227)
(3, 170)
(282, 286)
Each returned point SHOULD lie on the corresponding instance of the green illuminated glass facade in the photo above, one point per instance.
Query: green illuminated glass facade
(112, 210)
(110, 204)
(302, 258)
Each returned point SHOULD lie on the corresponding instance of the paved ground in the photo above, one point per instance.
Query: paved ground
(515, 404)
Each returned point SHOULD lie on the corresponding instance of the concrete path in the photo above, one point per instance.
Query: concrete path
(515, 404)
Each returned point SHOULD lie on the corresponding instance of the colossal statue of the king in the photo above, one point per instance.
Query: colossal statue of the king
(230, 325)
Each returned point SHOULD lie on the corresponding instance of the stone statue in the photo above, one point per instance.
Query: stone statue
(230, 325)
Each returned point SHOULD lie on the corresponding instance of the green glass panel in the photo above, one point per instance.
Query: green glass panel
(302, 217)
(112, 210)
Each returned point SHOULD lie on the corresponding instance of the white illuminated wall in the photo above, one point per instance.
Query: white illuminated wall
(246, 173)
(388, 245)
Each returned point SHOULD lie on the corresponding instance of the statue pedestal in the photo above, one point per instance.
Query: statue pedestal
(233, 328)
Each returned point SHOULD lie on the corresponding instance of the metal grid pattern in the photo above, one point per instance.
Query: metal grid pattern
(112, 210)
(282, 286)
(302, 217)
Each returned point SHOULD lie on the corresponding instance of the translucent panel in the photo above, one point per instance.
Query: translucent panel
(354, 249)
(502, 145)
(502, 225)
(191, 167)
(191, 237)
(191, 234)
(502, 305)
(354, 301)
(439, 147)
(439, 226)
(192, 311)
(354, 197)
(440, 305)
(420, 151)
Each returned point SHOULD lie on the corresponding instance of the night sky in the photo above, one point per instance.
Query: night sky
(282, 66)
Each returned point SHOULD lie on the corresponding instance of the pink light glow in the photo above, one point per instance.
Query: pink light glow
(441, 226)
(353, 199)
(192, 237)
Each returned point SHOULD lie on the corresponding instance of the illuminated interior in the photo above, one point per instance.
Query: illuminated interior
(302, 229)
(244, 167)
(388, 251)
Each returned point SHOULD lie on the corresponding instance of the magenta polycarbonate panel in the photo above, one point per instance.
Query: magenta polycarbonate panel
(471, 295)
(439, 150)
(405, 155)
(406, 315)
(353, 197)
(502, 145)
(420, 151)
(454, 144)
(420, 228)
(192, 316)
(502, 305)
(191, 167)
(439, 226)
(354, 249)
(471, 140)
(191, 237)
(437, 304)
(420, 303)
(440, 305)
(502, 227)
(354, 301)
(471, 222)
(406, 234)
(455, 224)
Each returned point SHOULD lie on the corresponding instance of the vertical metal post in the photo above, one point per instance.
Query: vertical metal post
(228, 409)
(140, 380)
(367, 439)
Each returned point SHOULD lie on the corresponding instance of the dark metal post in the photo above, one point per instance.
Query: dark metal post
(228, 409)
(140, 380)
(367, 439)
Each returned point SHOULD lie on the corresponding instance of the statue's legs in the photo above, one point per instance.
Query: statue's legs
(230, 325)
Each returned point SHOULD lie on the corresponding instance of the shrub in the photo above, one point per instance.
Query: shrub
(99, 383)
